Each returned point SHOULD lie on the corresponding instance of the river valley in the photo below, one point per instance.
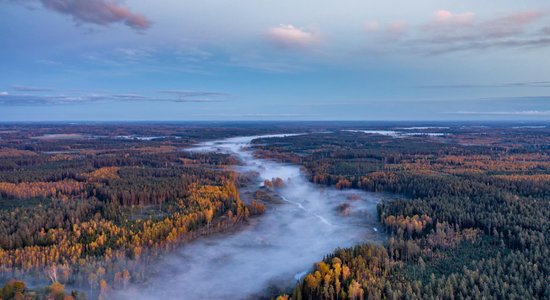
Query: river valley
(274, 250)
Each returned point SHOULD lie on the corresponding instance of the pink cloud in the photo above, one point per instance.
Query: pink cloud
(520, 18)
(288, 36)
(448, 31)
(371, 26)
(458, 32)
(397, 28)
(447, 17)
(100, 12)
(511, 24)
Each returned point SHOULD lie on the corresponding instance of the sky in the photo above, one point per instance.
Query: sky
(184, 60)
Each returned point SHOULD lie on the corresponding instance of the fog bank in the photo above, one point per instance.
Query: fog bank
(274, 249)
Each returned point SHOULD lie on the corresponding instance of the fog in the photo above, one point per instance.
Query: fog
(275, 249)
(398, 134)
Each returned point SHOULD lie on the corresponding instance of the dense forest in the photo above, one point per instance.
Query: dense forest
(91, 210)
(85, 209)
(474, 222)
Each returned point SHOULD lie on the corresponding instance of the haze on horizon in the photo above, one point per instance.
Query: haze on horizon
(82, 60)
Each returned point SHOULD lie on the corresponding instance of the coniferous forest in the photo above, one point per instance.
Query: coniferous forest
(473, 223)
(85, 210)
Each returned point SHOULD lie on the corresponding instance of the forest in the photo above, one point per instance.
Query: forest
(84, 209)
(473, 223)
(83, 213)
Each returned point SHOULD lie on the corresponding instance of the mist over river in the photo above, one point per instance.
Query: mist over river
(275, 249)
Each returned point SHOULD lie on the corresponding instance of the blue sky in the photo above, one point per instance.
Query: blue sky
(274, 60)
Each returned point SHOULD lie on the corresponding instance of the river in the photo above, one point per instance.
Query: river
(275, 249)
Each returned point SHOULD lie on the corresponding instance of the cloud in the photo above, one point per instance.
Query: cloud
(192, 53)
(448, 27)
(371, 26)
(511, 24)
(397, 27)
(448, 32)
(507, 113)
(447, 17)
(259, 115)
(508, 31)
(529, 84)
(83, 97)
(24, 88)
(135, 54)
(259, 62)
(531, 42)
(191, 96)
(99, 12)
(288, 36)
(130, 97)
